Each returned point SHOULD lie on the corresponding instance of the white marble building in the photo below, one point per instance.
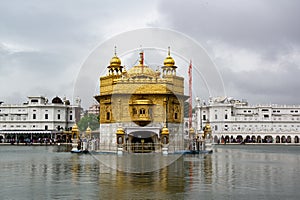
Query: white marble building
(237, 121)
(37, 118)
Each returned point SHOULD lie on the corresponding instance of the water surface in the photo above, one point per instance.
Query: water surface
(231, 172)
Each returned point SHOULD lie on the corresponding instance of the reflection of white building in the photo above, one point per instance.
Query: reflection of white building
(37, 118)
(236, 121)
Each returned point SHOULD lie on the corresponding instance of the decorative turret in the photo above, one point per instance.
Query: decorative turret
(76, 146)
(165, 140)
(169, 61)
(165, 135)
(192, 132)
(169, 67)
(120, 135)
(88, 132)
(75, 132)
(115, 67)
(207, 131)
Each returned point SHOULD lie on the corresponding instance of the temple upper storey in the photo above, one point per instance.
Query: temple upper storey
(118, 78)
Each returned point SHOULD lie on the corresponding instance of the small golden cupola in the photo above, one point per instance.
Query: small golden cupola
(169, 61)
(88, 132)
(169, 67)
(115, 67)
(75, 131)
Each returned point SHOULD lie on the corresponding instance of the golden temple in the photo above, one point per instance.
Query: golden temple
(141, 110)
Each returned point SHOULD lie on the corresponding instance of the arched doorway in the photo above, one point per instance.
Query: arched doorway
(288, 139)
(247, 139)
(21, 138)
(239, 138)
(259, 139)
(226, 139)
(296, 139)
(58, 137)
(8, 138)
(232, 139)
(277, 139)
(222, 139)
(216, 139)
(253, 139)
(142, 142)
(268, 139)
(283, 139)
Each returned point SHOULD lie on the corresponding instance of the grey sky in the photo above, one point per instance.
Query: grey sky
(255, 44)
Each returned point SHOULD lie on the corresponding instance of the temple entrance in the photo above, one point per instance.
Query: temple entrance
(142, 142)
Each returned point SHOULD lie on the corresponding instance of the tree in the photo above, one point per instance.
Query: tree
(90, 120)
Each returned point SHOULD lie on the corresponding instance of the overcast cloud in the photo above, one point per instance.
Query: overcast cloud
(255, 44)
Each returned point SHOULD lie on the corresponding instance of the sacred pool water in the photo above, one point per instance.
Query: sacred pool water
(231, 172)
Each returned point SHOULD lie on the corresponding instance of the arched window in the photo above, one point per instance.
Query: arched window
(176, 115)
(142, 111)
(134, 111)
(108, 116)
(216, 116)
(186, 124)
(226, 116)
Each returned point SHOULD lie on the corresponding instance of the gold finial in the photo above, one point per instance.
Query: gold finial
(142, 58)
(169, 51)
(115, 50)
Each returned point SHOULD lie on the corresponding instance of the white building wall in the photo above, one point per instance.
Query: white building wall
(21, 117)
(233, 118)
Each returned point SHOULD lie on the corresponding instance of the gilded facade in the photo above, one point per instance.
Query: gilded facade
(136, 105)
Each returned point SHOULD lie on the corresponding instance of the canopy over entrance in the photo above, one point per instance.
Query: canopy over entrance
(142, 142)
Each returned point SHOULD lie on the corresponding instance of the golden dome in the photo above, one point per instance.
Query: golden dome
(192, 131)
(75, 127)
(207, 127)
(88, 130)
(141, 71)
(120, 130)
(169, 61)
(165, 130)
(115, 61)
